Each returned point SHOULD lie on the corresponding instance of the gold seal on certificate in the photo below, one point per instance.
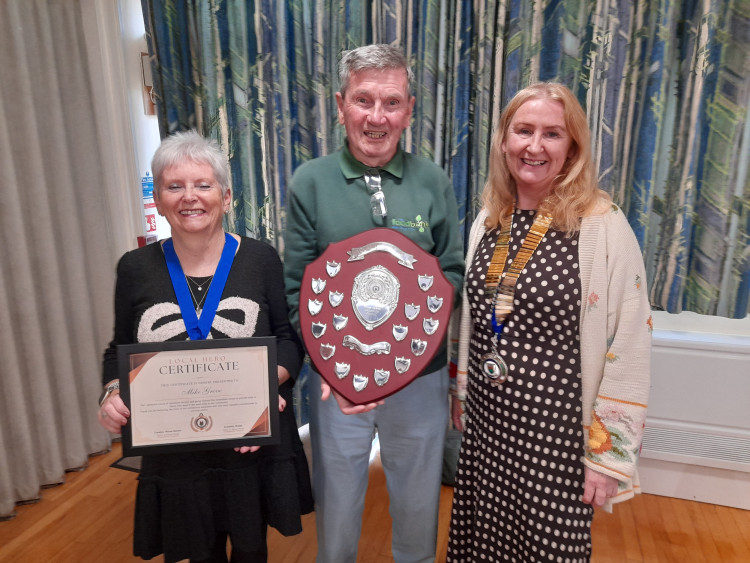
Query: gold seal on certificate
(199, 395)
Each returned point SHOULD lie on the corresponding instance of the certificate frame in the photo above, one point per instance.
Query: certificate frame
(194, 395)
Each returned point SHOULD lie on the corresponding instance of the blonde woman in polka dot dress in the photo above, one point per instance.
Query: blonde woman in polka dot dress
(554, 346)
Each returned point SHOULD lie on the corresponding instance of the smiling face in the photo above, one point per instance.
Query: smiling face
(375, 110)
(191, 199)
(536, 146)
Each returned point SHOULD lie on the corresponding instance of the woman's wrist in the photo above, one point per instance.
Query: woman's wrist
(284, 375)
(112, 388)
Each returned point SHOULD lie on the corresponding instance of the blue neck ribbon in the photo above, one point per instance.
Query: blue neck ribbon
(199, 329)
(496, 326)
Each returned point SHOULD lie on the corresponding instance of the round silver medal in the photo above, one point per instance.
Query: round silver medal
(494, 367)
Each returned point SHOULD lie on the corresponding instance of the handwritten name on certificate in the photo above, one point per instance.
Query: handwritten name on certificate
(199, 395)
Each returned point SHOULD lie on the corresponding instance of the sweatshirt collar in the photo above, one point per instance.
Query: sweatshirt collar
(353, 168)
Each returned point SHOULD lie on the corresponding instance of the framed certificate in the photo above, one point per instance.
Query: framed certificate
(199, 394)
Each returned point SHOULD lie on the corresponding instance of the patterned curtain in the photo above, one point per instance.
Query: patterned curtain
(665, 85)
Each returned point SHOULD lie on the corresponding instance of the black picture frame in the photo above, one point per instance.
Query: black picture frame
(133, 357)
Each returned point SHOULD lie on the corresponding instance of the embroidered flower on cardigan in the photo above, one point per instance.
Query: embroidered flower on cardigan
(611, 440)
(592, 301)
(611, 357)
(611, 413)
(600, 440)
(650, 323)
(637, 281)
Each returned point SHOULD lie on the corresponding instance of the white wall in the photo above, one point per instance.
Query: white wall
(145, 127)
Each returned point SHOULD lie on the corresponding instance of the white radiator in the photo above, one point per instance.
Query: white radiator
(696, 443)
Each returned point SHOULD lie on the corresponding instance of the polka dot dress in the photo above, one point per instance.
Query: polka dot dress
(520, 477)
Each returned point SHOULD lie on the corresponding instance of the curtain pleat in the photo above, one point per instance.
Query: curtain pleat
(57, 256)
(665, 86)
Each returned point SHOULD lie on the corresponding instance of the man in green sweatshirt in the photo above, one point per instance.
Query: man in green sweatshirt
(371, 182)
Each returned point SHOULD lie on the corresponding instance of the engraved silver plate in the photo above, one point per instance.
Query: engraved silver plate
(366, 349)
(418, 346)
(314, 306)
(333, 268)
(425, 282)
(318, 285)
(318, 329)
(411, 311)
(381, 377)
(339, 321)
(341, 370)
(375, 296)
(404, 258)
(335, 298)
(399, 332)
(401, 364)
(434, 303)
(430, 326)
(326, 351)
(359, 382)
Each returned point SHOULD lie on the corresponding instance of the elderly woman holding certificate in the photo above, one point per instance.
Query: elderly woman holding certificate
(206, 283)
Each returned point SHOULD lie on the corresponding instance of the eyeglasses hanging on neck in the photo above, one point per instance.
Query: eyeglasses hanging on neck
(377, 197)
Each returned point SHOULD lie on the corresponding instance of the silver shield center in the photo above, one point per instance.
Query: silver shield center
(375, 296)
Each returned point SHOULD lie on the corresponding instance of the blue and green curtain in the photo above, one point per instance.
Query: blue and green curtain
(665, 85)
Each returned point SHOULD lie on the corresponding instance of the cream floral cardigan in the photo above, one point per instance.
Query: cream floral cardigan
(615, 328)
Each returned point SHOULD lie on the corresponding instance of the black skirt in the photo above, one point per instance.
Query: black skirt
(185, 499)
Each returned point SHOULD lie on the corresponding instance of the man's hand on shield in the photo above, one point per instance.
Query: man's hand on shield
(346, 406)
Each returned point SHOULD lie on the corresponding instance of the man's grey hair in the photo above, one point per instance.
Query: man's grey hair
(372, 57)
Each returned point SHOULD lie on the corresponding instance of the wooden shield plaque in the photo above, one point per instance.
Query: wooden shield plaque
(373, 310)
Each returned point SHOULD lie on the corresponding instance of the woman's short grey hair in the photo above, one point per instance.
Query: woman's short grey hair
(189, 146)
(372, 57)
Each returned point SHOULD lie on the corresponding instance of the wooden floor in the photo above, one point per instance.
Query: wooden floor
(89, 520)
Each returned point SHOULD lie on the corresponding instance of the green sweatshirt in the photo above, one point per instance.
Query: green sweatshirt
(328, 202)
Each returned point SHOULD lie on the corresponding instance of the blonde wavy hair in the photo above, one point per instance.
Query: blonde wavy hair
(574, 193)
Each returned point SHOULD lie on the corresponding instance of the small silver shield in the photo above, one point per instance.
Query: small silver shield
(418, 346)
(399, 332)
(401, 364)
(342, 369)
(434, 303)
(335, 298)
(430, 326)
(314, 306)
(318, 329)
(327, 351)
(359, 382)
(318, 285)
(381, 377)
(425, 282)
(339, 321)
(411, 311)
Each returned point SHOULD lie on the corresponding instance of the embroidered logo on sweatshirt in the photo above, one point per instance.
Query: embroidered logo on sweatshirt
(416, 224)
